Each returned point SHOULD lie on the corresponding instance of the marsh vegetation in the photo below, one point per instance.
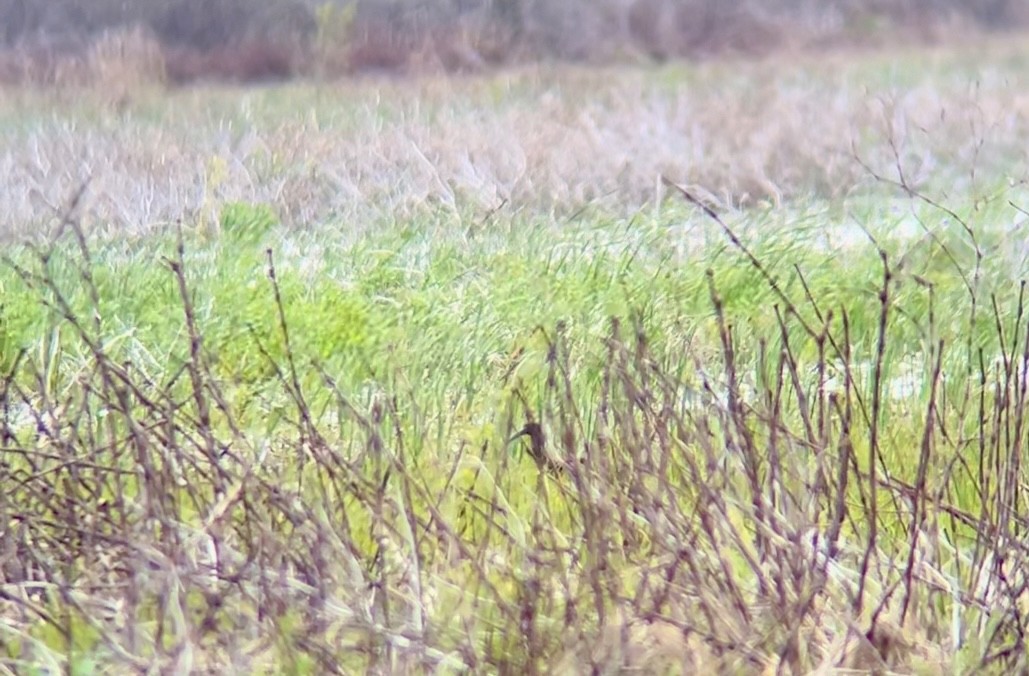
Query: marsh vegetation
(263, 353)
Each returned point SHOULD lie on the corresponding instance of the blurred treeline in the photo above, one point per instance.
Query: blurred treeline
(289, 37)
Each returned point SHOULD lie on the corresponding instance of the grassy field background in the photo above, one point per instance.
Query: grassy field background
(266, 354)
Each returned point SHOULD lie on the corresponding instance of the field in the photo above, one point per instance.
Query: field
(706, 368)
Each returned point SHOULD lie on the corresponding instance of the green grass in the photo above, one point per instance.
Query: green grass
(422, 294)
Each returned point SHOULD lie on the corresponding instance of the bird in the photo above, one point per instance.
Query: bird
(537, 445)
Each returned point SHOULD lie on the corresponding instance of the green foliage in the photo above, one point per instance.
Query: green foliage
(396, 294)
(247, 223)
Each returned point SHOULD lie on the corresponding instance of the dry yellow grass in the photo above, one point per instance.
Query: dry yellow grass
(742, 133)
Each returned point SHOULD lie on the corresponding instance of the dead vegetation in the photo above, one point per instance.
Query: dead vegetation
(762, 507)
